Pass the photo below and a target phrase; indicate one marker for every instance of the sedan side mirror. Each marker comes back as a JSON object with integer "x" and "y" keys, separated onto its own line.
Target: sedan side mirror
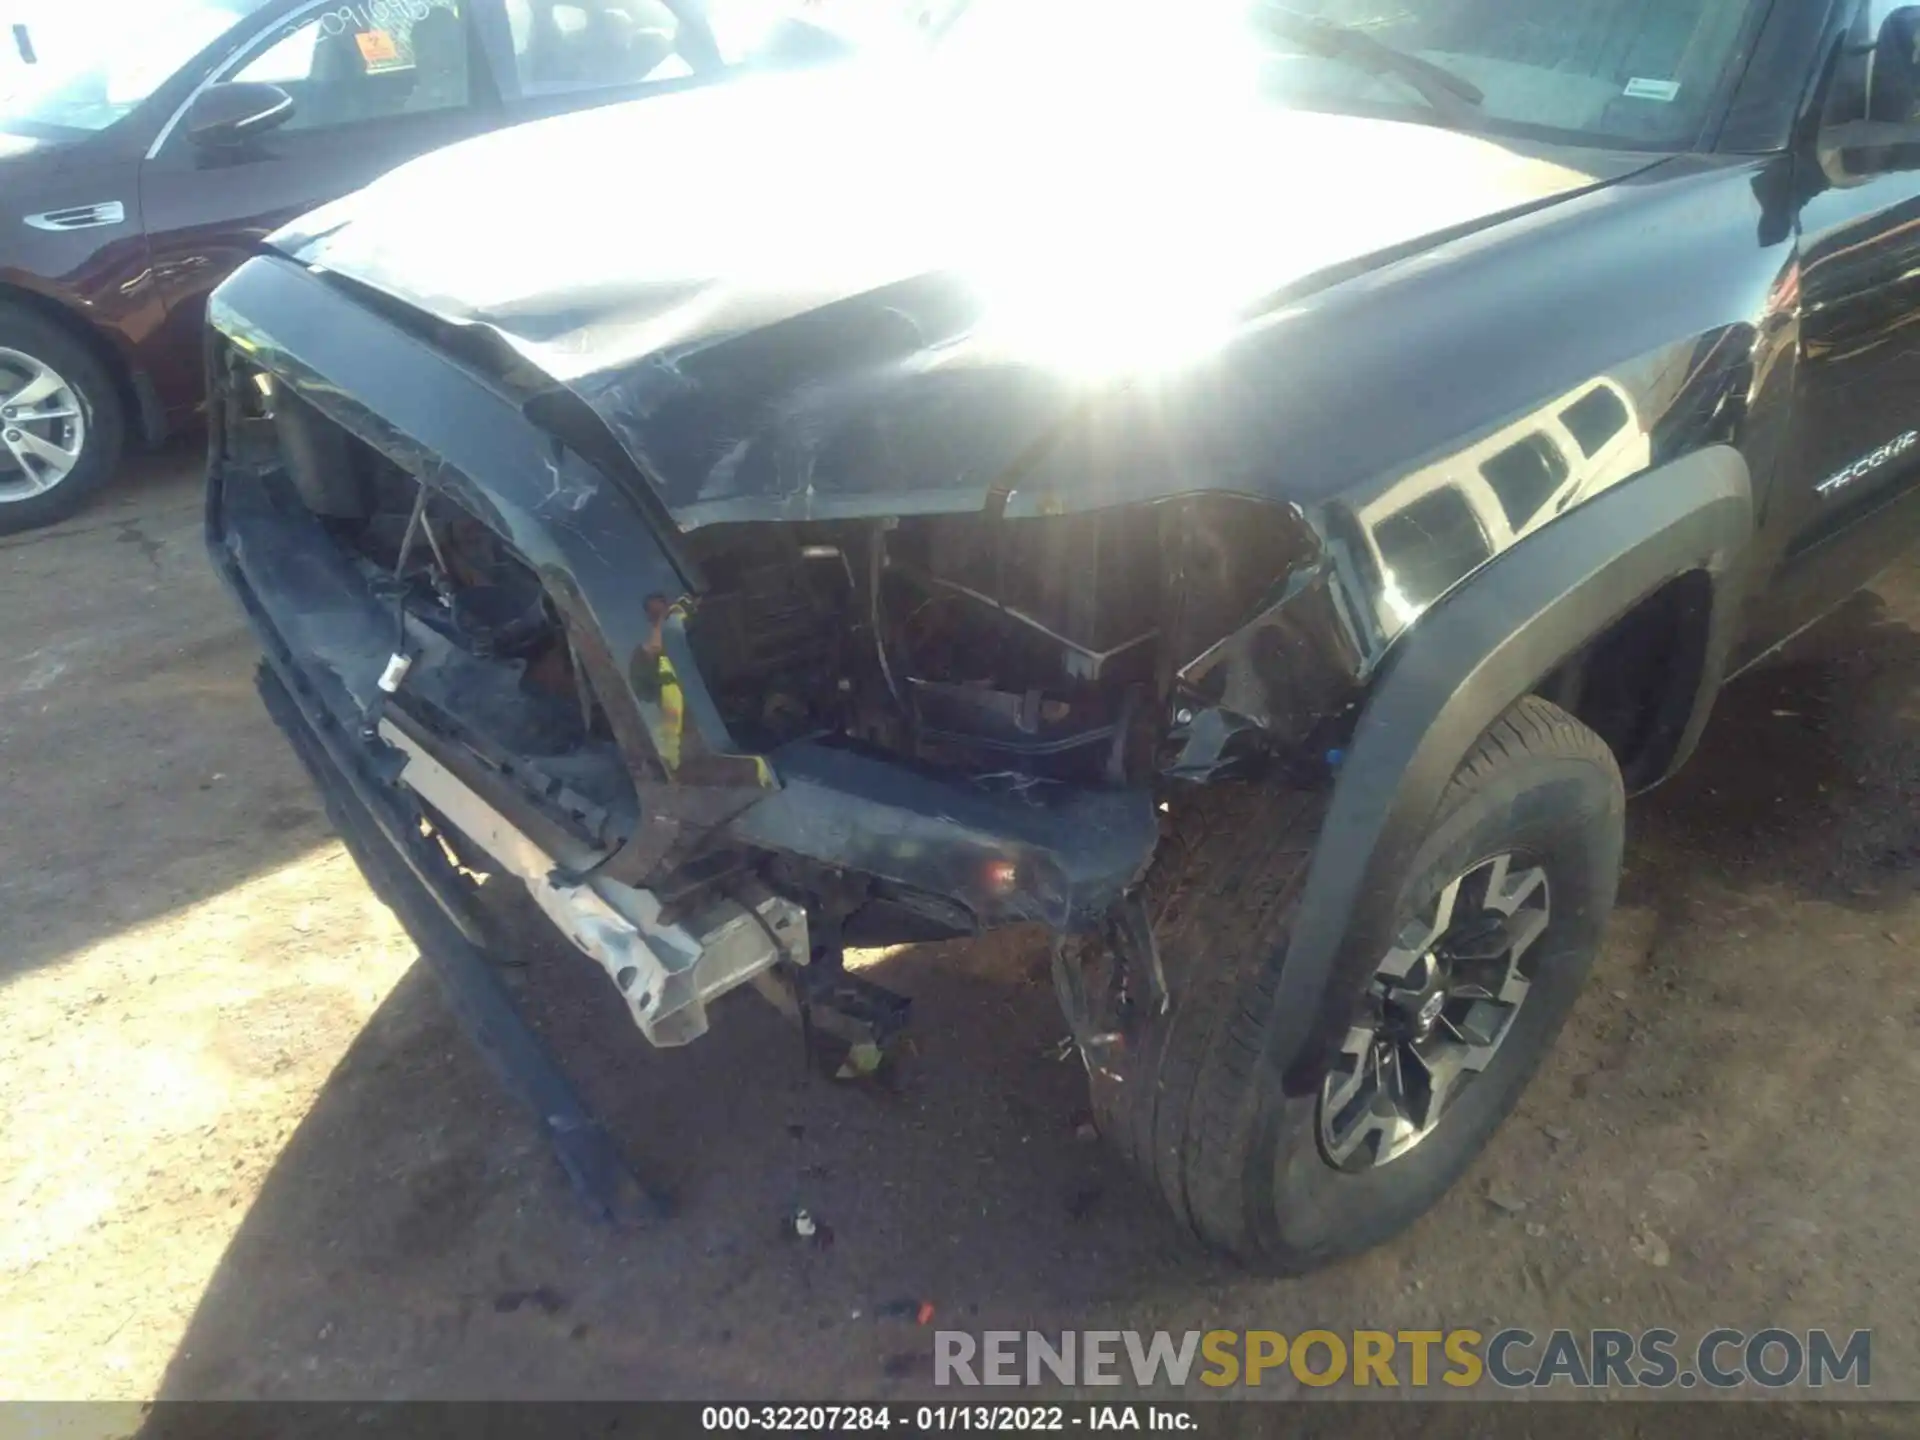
{"x": 237, "y": 110}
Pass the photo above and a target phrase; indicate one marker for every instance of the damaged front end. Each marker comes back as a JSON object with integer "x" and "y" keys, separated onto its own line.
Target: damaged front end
{"x": 722, "y": 756}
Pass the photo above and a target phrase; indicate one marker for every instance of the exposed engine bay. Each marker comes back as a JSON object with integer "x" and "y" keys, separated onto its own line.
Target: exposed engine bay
{"x": 850, "y": 732}
{"x": 457, "y": 587}
{"x": 1088, "y": 650}
{"x": 1058, "y": 650}
{"x": 1006, "y": 651}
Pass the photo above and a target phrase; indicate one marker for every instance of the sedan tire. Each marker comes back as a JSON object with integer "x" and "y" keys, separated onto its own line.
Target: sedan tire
{"x": 62, "y": 423}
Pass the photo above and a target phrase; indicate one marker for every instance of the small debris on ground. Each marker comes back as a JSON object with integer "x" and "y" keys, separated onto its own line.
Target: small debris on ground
{"x": 1651, "y": 1248}
{"x": 1504, "y": 1199}
{"x": 924, "y": 1315}
{"x": 1536, "y": 1229}
{"x": 1673, "y": 1188}
{"x": 862, "y": 1060}
{"x": 1559, "y": 1134}
{"x": 541, "y": 1297}
{"x": 803, "y": 1224}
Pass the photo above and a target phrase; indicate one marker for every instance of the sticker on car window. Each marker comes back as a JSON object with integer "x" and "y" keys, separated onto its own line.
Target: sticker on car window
{"x": 365, "y": 15}
{"x": 377, "y": 47}
{"x": 1642, "y": 89}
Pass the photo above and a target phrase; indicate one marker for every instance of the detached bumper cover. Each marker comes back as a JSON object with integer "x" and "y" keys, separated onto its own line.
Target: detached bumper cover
{"x": 407, "y": 872}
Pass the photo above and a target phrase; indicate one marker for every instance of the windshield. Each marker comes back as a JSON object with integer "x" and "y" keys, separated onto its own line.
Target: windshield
{"x": 1632, "y": 73}
{"x": 96, "y": 60}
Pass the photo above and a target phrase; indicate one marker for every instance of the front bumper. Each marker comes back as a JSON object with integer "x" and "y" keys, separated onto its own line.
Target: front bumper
{"x": 1054, "y": 855}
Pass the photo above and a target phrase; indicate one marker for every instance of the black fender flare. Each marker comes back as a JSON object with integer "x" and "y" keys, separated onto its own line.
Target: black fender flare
{"x": 1477, "y": 651}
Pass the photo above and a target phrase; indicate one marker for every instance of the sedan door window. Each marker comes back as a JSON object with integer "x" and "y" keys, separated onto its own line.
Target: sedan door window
{"x": 566, "y": 45}
{"x": 96, "y": 62}
{"x": 368, "y": 61}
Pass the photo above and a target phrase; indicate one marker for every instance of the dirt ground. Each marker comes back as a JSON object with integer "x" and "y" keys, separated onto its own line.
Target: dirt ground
{"x": 244, "y": 1152}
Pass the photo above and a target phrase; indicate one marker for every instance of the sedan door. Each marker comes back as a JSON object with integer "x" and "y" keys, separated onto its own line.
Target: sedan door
{"x": 374, "y": 83}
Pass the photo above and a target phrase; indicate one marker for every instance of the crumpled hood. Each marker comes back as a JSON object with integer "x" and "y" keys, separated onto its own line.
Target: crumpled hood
{"x": 847, "y": 293}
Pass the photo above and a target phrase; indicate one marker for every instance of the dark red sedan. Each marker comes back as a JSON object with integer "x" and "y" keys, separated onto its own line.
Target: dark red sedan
{"x": 141, "y": 159}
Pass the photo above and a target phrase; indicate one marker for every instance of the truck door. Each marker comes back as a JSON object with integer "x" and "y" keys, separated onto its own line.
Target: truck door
{"x": 1850, "y": 498}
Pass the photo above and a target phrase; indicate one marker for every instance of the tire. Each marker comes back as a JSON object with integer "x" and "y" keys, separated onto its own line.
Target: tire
{"x": 101, "y": 412}
{"x": 1188, "y": 1096}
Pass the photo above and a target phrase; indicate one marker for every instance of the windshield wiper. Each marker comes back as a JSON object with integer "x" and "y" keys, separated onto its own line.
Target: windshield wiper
{"x": 1447, "y": 92}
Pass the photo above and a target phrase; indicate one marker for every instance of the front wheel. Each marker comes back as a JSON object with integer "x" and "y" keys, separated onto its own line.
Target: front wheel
{"x": 62, "y": 426}
{"x": 1499, "y": 917}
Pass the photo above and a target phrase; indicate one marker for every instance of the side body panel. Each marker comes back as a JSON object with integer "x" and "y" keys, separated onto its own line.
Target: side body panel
{"x": 208, "y": 209}
{"x": 102, "y": 276}
{"x": 1426, "y": 419}
{"x": 97, "y": 275}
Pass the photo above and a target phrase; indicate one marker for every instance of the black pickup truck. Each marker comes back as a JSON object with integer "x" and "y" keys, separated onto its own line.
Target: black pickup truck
{"x": 1248, "y": 489}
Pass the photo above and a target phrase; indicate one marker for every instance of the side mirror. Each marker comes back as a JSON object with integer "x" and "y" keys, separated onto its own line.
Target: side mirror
{"x": 237, "y": 110}
{"x": 1883, "y": 133}
{"x": 1893, "y": 72}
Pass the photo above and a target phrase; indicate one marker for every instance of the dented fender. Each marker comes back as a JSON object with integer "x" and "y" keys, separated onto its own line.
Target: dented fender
{"x": 1483, "y": 648}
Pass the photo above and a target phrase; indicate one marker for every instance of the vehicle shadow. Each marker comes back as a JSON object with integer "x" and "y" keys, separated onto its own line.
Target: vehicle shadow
{"x": 140, "y": 773}
{"x": 415, "y": 1240}
{"x": 1808, "y": 778}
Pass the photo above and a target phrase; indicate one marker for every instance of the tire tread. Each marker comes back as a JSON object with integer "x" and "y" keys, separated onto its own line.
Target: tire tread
{"x": 1221, "y": 891}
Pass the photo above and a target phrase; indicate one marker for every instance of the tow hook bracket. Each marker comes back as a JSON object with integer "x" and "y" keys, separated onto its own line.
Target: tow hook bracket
{"x": 823, "y": 996}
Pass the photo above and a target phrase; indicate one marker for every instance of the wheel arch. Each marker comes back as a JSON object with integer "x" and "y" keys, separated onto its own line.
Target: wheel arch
{"x": 1637, "y": 683}
{"x": 1681, "y": 531}
{"x": 142, "y": 408}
